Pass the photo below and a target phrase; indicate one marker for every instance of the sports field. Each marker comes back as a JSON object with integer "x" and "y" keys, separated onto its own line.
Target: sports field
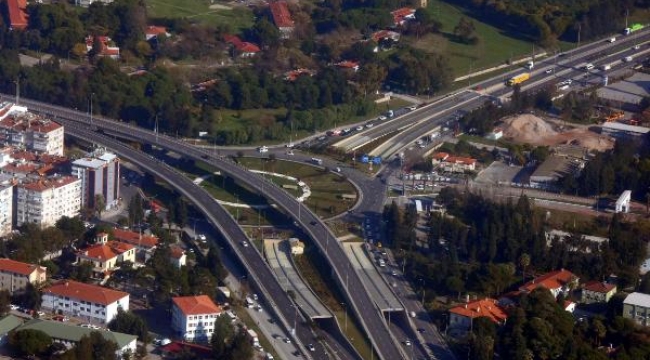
{"x": 205, "y": 11}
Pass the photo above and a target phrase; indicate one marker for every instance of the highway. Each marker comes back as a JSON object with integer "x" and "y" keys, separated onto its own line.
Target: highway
{"x": 350, "y": 283}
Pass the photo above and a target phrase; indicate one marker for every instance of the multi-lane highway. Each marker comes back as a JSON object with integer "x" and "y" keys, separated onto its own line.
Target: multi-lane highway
{"x": 368, "y": 316}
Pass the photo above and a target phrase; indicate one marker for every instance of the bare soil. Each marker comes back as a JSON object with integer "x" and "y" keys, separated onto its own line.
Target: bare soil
{"x": 534, "y": 130}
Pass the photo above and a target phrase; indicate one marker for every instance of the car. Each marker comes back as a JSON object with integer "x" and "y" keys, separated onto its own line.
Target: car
{"x": 407, "y": 342}
{"x": 311, "y": 347}
{"x": 14, "y": 307}
{"x": 636, "y": 47}
{"x": 287, "y": 340}
{"x": 422, "y": 330}
{"x": 60, "y": 318}
{"x": 394, "y": 273}
{"x": 204, "y": 156}
{"x": 296, "y": 353}
{"x": 322, "y": 138}
{"x": 313, "y": 223}
{"x": 201, "y": 237}
{"x": 359, "y": 128}
{"x": 255, "y": 297}
{"x": 244, "y": 243}
{"x": 382, "y": 117}
{"x": 548, "y": 71}
{"x": 412, "y": 107}
{"x": 369, "y": 125}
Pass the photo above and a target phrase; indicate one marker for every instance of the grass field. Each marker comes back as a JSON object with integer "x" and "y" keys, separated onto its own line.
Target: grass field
{"x": 494, "y": 48}
{"x": 203, "y": 11}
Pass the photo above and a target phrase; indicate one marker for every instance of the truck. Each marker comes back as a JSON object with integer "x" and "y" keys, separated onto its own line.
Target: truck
{"x": 317, "y": 161}
{"x": 518, "y": 79}
{"x": 530, "y": 65}
{"x": 632, "y": 28}
{"x": 254, "y": 338}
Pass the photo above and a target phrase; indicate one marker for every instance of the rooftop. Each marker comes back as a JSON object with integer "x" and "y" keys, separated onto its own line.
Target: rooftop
{"x": 552, "y": 280}
{"x": 599, "y": 287}
{"x": 486, "y": 307}
{"x": 106, "y": 251}
{"x": 617, "y": 126}
{"x": 89, "y": 163}
{"x": 29, "y": 122}
{"x": 18, "y": 267}
{"x": 86, "y": 292}
{"x": 135, "y": 238}
{"x": 9, "y": 323}
{"x": 638, "y": 299}
{"x": 51, "y": 183}
{"x": 72, "y": 333}
{"x": 281, "y": 14}
{"x": 555, "y": 167}
{"x": 196, "y": 305}
{"x": 17, "y": 10}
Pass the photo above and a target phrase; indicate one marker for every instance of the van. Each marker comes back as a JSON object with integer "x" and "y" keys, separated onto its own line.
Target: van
{"x": 628, "y": 59}
{"x": 606, "y": 67}
{"x": 412, "y": 314}
{"x": 611, "y": 40}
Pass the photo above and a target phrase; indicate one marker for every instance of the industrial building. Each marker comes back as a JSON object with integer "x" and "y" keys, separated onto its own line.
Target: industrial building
{"x": 554, "y": 168}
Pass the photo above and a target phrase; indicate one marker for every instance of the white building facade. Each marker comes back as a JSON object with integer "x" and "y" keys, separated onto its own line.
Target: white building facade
{"x": 43, "y": 202}
{"x": 97, "y": 304}
{"x": 99, "y": 175}
{"x": 193, "y": 317}
{"x": 20, "y": 128}
{"x": 6, "y": 204}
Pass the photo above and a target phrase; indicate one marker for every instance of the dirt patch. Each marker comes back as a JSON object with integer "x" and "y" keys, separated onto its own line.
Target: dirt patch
{"x": 534, "y": 130}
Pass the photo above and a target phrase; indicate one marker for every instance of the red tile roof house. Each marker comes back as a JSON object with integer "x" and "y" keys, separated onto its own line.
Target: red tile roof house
{"x": 144, "y": 244}
{"x": 241, "y": 48}
{"x": 193, "y": 317}
{"x": 462, "y": 316}
{"x": 557, "y": 282}
{"x": 155, "y": 31}
{"x": 92, "y": 303}
{"x": 597, "y": 292}
{"x": 347, "y": 64}
{"x": 17, "y": 10}
{"x": 402, "y": 15}
{"x": 282, "y": 18}
{"x": 15, "y": 275}
{"x": 106, "y": 47}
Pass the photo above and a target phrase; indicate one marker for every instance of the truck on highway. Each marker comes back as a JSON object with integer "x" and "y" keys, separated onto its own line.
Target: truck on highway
{"x": 253, "y": 335}
{"x": 530, "y": 65}
{"x": 632, "y": 28}
{"x": 518, "y": 79}
{"x": 317, "y": 161}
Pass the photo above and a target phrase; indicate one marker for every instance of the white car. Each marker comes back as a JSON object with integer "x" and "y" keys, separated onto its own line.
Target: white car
{"x": 636, "y": 47}
{"x": 369, "y": 125}
{"x": 407, "y": 342}
{"x": 382, "y": 118}
{"x": 359, "y": 128}
{"x": 311, "y": 347}
{"x": 548, "y": 71}
{"x": 244, "y": 244}
{"x": 201, "y": 237}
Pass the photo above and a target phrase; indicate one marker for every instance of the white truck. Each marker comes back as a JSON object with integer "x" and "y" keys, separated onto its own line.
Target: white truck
{"x": 249, "y": 302}
{"x": 530, "y": 65}
{"x": 317, "y": 161}
{"x": 254, "y": 338}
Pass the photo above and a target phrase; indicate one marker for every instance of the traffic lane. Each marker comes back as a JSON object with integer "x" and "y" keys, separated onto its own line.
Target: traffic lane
{"x": 303, "y": 331}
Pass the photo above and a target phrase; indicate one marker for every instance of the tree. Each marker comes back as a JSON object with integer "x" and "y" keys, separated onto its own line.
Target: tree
{"x": 465, "y": 31}
{"x": 72, "y": 227}
{"x": 30, "y": 342}
{"x": 30, "y": 298}
{"x": 241, "y": 348}
{"x": 524, "y": 262}
{"x": 222, "y": 336}
{"x": 99, "y": 204}
{"x": 95, "y": 347}
{"x": 5, "y": 302}
{"x": 130, "y": 323}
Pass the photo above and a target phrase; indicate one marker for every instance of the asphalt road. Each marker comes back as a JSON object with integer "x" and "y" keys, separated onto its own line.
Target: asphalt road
{"x": 369, "y": 317}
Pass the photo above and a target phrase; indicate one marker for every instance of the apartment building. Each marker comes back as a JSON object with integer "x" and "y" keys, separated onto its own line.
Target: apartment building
{"x": 193, "y": 317}
{"x": 100, "y": 175}
{"x": 44, "y": 201}
{"x": 15, "y": 275}
{"x": 636, "y": 306}
{"x": 20, "y": 128}
{"x": 97, "y": 304}
{"x": 6, "y": 204}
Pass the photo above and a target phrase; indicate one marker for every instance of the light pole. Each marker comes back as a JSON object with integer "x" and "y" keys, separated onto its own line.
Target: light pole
{"x": 345, "y": 310}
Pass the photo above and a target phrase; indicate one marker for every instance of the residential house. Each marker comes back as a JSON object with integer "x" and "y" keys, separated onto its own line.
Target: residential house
{"x": 70, "y": 335}
{"x": 15, "y": 275}
{"x": 144, "y": 244}
{"x": 106, "y": 256}
{"x": 241, "y": 48}
{"x": 21, "y": 129}
{"x": 597, "y": 292}
{"x": 557, "y": 282}
{"x": 155, "y": 31}
{"x": 402, "y": 16}
{"x": 104, "y": 46}
{"x": 348, "y": 64}
{"x": 100, "y": 175}
{"x": 293, "y": 75}
{"x": 636, "y": 306}
{"x": 282, "y": 18}
{"x": 44, "y": 201}
{"x": 177, "y": 257}
{"x": 93, "y": 303}
{"x": 454, "y": 164}
{"x": 193, "y": 317}
{"x": 461, "y": 317}
{"x": 17, "y": 11}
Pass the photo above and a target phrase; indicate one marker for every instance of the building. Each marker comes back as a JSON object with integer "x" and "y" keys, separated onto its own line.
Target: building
{"x": 17, "y": 11}
{"x": 569, "y": 306}
{"x": 177, "y": 257}
{"x": 557, "y": 282}
{"x": 22, "y": 129}
{"x": 241, "y": 48}
{"x": 152, "y": 32}
{"x": 176, "y": 349}
{"x": 576, "y": 242}
{"x": 349, "y": 65}
{"x": 144, "y": 244}
{"x": 6, "y": 204}
{"x": 623, "y": 202}
{"x": 99, "y": 175}
{"x": 103, "y": 45}
{"x": 297, "y": 246}
{"x": 617, "y": 129}
{"x": 636, "y": 306}
{"x": 93, "y": 303}
{"x": 15, "y": 275}
{"x": 282, "y": 18}
{"x": 193, "y": 317}
{"x": 402, "y": 16}
{"x": 44, "y": 201}
{"x": 553, "y": 169}
{"x": 87, "y": 3}
{"x": 462, "y": 316}
{"x": 106, "y": 256}
{"x": 454, "y": 164}
{"x": 597, "y": 292}
{"x": 70, "y": 335}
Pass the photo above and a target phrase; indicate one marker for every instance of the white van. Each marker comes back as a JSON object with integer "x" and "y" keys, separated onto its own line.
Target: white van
{"x": 628, "y": 58}
{"x": 262, "y": 149}
{"x": 606, "y": 67}
{"x": 611, "y": 40}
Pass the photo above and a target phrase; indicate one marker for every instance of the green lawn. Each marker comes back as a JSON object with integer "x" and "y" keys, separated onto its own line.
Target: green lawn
{"x": 238, "y": 17}
{"x": 494, "y": 48}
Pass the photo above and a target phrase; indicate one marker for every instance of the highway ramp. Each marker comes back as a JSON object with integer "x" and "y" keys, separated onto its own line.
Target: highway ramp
{"x": 278, "y": 255}
{"x": 374, "y": 283}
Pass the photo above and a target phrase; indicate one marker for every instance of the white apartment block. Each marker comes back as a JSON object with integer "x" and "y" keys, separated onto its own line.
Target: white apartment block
{"x": 15, "y": 275}
{"x": 45, "y": 201}
{"x": 96, "y": 304}
{"x": 22, "y": 129}
{"x": 6, "y": 204}
{"x": 193, "y": 317}
{"x": 100, "y": 175}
